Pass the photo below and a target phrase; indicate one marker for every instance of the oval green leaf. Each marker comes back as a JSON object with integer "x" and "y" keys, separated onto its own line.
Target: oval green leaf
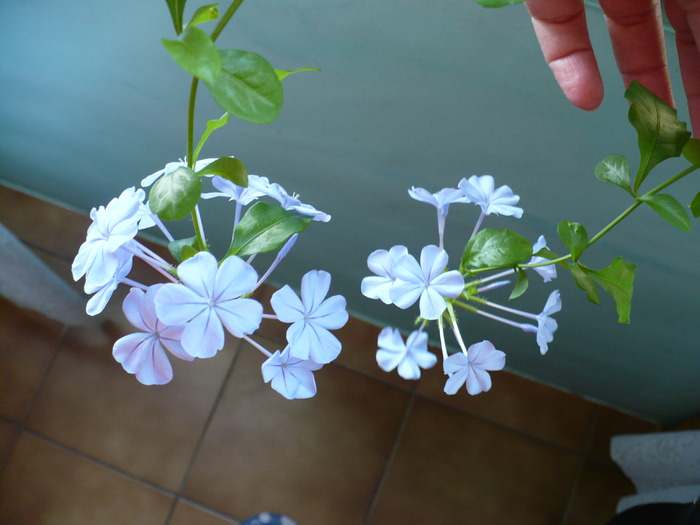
{"x": 204, "y": 14}
{"x": 617, "y": 279}
{"x": 574, "y": 237}
{"x": 247, "y": 87}
{"x": 228, "y": 168}
{"x": 695, "y": 206}
{"x": 668, "y": 208}
{"x": 195, "y": 53}
{"x": 265, "y": 228}
{"x": 520, "y": 285}
{"x": 212, "y": 126}
{"x": 496, "y": 248}
{"x": 174, "y": 196}
{"x": 615, "y": 169}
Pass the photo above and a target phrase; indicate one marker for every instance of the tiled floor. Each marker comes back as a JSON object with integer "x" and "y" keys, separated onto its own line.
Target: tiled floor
{"x": 83, "y": 443}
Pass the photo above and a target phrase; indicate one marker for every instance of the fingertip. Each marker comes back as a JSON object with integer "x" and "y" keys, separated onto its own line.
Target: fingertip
{"x": 579, "y": 79}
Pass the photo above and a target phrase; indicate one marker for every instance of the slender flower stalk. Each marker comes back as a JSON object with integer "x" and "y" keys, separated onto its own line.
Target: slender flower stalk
{"x": 257, "y": 345}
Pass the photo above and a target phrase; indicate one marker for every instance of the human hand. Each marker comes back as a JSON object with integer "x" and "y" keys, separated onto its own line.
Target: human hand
{"x": 637, "y": 37}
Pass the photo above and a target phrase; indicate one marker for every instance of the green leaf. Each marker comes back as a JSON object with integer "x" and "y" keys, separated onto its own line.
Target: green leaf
{"x": 284, "y": 73}
{"x": 195, "y": 53}
{"x": 183, "y": 249}
{"x": 498, "y": 3}
{"x": 204, "y": 14}
{"x": 212, "y": 125}
{"x": 177, "y": 8}
{"x": 584, "y": 282}
{"x": 617, "y": 279}
{"x": 495, "y": 248}
{"x": 660, "y": 135}
{"x": 574, "y": 237}
{"x": 247, "y": 87}
{"x": 615, "y": 169}
{"x": 691, "y": 151}
{"x": 669, "y": 209}
{"x": 695, "y": 206}
{"x": 228, "y": 168}
{"x": 264, "y": 228}
{"x": 520, "y": 285}
{"x": 174, "y": 196}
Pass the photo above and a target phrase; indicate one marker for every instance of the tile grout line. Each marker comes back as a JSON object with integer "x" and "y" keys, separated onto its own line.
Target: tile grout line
{"x": 582, "y": 463}
{"x": 392, "y": 454}
{"x": 205, "y": 429}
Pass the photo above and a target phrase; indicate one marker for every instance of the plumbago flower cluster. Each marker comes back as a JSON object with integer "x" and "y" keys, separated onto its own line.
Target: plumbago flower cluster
{"x": 491, "y": 255}
{"x": 400, "y": 279}
{"x": 202, "y": 297}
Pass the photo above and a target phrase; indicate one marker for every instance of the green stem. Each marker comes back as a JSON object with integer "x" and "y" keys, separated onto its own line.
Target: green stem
{"x": 224, "y": 19}
{"x": 201, "y": 241}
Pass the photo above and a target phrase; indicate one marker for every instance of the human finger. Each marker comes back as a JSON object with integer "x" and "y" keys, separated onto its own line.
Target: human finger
{"x": 636, "y": 33}
{"x": 685, "y": 19}
{"x": 560, "y": 27}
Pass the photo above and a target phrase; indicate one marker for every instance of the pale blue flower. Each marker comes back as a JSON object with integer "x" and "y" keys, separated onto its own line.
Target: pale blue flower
{"x": 408, "y": 358}
{"x": 144, "y": 353}
{"x": 292, "y": 377}
{"x": 441, "y": 200}
{"x": 291, "y": 202}
{"x": 472, "y": 368}
{"x": 103, "y": 292}
{"x": 482, "y": 192}
{"x": 426, "y": 281}
{"x": 548, "y": 272}
{"x": 113, "y": 226}
{"x": 208, "y": 300}
{"x": 546, "y": 326}
{"x": 170, "y": 167}
{"x": 239, "y": 194}
{"x": 381, "y": 262}
{"x": 312, "y": 317}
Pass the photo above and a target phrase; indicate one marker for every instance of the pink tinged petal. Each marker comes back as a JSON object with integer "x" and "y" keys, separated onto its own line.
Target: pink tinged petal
{"x": 314, "y": 287}
{"x": 240, "y": 316}
{"x": 176, "y": 304}
{"x": 157, "y": 370}
{"x": 432, "y": 304}
{"x": 203, "y": 336}
{"x": 234, "y": 278}
{"x": 331, "y": 313}
{"x": 135, "y": 311}
{"x": 432, "y": 261}
{"x": 170, "y": 339}
{"x": 287, "y": 305}
{"x": 199, "y": 274}
{"x": 132, "y": 351}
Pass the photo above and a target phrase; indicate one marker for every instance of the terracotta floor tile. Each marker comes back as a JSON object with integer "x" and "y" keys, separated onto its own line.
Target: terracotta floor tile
{"x": 8, "y": 436}
{"x": 91, "y": 404}
{"x": 359, "y": 340}
{"x": 317, "y": 460}
{"x": 42, "y": 223}
{"x": 43, "y": 484}
{"x": 600, "y": 488}
{"x": 27, "y": 343}
{"x": 453, "y": 468}
{"x": 187, "y": 513}
{"x": 611, "y": 422}
{"x": 521, "y": 404}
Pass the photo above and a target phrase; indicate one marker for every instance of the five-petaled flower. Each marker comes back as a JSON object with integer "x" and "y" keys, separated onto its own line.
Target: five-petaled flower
{"x": 481, "y": 191}
{"x": 144, "y": 353}
{"x": 291, "y": 376}
{"x": 425, "y": 281}
{"x": 409, "y": 357}
{"x": 381, "y": 262}
{"x": 209, "y": 299}
{"x": 472, "y": 368}
{"x": 441, "y": 200}
{"x": 312, "y": 317}
{"x": 546, "y": 326}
